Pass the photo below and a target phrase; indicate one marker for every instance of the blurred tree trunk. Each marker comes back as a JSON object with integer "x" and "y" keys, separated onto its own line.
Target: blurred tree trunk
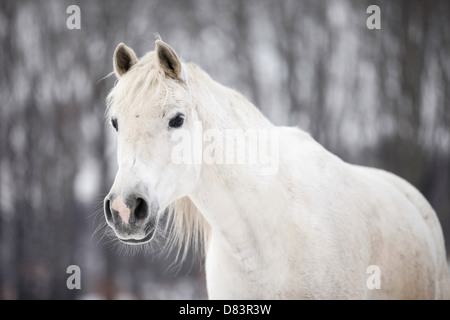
{"x": 243, "y": 47}
{"x": 285, "y": 22}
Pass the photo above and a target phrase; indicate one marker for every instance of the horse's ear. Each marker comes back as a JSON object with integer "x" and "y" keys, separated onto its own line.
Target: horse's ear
{"x": 169, "y": 60}
{"x": 124, "y": 59}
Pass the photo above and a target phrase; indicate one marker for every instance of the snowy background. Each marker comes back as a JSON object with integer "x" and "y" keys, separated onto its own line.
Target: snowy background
{"x": 373, "y": 97}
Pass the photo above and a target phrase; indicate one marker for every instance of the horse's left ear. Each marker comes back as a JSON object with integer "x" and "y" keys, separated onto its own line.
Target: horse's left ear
{"x": 169, "y": 61}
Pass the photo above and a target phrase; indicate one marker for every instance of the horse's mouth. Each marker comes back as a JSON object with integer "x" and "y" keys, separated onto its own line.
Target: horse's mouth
{"x": 149, "y": 233}
{"x": 143, "y": 240}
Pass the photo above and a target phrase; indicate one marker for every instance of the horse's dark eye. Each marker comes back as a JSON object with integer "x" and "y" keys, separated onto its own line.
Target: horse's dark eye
{"x": 115, "y": 124}
{"x": 177, "y": 121}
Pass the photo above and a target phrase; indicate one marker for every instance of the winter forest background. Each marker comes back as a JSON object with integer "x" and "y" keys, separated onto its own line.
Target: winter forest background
{"x": 373, "y": 97}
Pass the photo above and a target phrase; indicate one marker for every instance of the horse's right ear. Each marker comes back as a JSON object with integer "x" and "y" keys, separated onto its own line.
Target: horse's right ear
{"x": 124, "y": 59}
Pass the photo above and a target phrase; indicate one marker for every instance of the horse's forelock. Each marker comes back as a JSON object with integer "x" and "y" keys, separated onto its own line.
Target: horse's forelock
{"x": 134, "y": 87}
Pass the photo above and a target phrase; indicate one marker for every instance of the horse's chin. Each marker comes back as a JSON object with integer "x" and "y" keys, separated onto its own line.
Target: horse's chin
{"x": 132, "y": 241}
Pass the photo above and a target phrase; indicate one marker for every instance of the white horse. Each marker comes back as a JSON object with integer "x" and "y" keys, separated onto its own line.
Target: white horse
{"x": 316, "y": 228}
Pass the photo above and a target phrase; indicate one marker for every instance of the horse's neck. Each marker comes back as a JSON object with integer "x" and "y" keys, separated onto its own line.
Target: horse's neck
{"x": 220, "y": 107}
{"x": 231, "y": 198}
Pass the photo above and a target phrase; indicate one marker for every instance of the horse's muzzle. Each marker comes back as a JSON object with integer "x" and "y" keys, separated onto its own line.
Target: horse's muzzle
{"x": 133, "y": 220}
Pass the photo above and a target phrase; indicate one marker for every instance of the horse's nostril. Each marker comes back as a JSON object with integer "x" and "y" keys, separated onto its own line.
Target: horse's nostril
{"x": 141, "y": 210}
{"x": 107, "y": 209}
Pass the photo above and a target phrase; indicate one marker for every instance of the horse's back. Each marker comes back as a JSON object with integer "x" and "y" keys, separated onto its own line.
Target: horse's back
{"x": 431, "y": 227}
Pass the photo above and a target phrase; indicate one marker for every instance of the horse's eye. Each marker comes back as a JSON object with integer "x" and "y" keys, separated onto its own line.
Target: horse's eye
{"x": 177, "y": 121}
{"x": 115, "y": 124}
